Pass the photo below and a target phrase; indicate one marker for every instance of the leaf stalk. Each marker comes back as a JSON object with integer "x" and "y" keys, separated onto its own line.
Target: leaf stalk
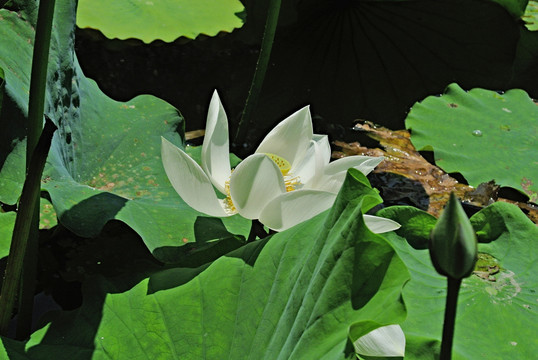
{"x": 453, "y": 288}
{"x": 259, "y": 73}
{"x": 24, "y": 239}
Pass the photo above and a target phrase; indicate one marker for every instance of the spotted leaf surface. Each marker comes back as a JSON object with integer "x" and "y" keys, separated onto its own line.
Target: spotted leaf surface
{"x": 497, "y": 311}
{"x": 104, "y": 163}
{"x": 482, "y": 134}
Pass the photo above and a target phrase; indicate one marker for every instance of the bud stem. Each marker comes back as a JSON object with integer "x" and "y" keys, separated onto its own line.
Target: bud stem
{"x": 453, "y": 286}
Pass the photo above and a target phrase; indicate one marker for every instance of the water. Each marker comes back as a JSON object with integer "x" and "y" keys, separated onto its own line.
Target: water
{"x": 477, "y": 133}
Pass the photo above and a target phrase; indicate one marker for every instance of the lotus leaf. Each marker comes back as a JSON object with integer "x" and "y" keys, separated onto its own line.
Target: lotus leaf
{"x": 482, "y": 134}
{"x": 496, "y": 313}
{"x": 165, "y": 20}
{"x": 290, "y": 296}
{"x": 105, "y": 160}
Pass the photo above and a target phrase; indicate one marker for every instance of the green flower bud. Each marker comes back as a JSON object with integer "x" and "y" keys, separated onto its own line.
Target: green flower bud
{"x": 453, "y": 248}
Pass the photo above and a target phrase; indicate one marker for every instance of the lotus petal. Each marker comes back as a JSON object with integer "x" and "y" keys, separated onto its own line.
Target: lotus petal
{"x": 215, "y": 148}
{"x": 290, "y": 138}
{"x": 380, "y": 225}
{"x": 386, "y": 341}
{"x": 255, "y": 182}
{"x": 294, "y": 207}
{"x": 190, "y": 181}
{"x": 335, "y": 172}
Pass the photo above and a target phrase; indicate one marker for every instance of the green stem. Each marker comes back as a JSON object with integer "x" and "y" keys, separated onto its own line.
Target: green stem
{"x": 259, "y": 73}
{"x": 21, "y": 231}
{"x": 38, "y": 82}
{"x": 37, "y": 147}
{"x": 450, "y": 317}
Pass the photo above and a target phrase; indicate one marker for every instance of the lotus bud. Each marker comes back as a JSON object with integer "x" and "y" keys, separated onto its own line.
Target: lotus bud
{"x": 453, "y": 246}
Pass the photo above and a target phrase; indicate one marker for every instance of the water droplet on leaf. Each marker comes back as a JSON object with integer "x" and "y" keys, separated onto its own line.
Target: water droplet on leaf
{"x": 477, "y": 133}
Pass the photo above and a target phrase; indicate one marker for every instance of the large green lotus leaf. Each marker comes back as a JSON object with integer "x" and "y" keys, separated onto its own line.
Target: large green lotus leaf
{"x": 531, "y": 15}
{"x": 290, "y": 296}
{"x": 47, "y": 215}
{"x": 374, "y": 59}
{"x": 165, "y": 20}
{"x": 104, "y": 161}
{"x": 497, "y": 313}
{"x": 482, "y": 134}
{"x": 2, "y": 84}
{"x": 7, "y": 222}
{"x": 116, "y": 173}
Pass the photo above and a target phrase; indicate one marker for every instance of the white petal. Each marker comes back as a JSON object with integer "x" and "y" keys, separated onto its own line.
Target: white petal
{"x": 324, "y": 147}
{"x": 312, "y": 166}
{"x": 308, "y": 167}
{"x": 386, "y": 341}
{"x": 290, "y": 138}
{"x": 216, "y": 148}
{"x": 335, "y": 172}
{"x": 331, "y": 183}
{"x": 254, "y": 182}
{"x": 364, "y": 164}
{"x": 294, "y": 207}
{"x": 380, "y": 225}
{"x": 189, "y": 180}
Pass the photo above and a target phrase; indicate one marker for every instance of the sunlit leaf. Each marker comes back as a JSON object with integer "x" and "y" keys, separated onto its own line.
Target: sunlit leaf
{"x": 47, "y": 215}
{"x": 165, "y": 20}
{"x": 7, "y": 222}
{"x": 291, "y": 296}
{"x": 497, "y": 311}
{"x": 105, "y": 160}
{"x": 531, "y": 15}
{"x": 482, "y": 134}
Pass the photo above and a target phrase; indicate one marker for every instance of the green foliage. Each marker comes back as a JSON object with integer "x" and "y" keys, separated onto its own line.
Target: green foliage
{"x": 497, "y": 305}
{"x": 374, "y": 59}
{"x": 105, "y": 162}
{"x": 453, "y": 242}
{"x": 7, "y": 221}
{"x": 305, "y": 292}
{"x": 482, "y": 134}
{"x": 531, "y": 15}
{"x": 416, "y": 224}
{"x": 164, "y": 20}
{"x": 2, "y": 83}
{"x": 290, "y": 296}
{"x": 47, "y": 215}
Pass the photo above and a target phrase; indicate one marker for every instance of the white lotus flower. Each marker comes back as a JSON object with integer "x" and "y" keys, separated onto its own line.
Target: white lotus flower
{"x": 386, "y": 341}
{"x": 286, "y": 181}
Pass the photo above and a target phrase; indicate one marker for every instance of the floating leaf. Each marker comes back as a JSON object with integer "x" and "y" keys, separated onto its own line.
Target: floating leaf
{"x": 402, "y": 158}
{"x": 496, "y": 314}
{"x": 47, "y": 215}
{"x": 105, "y": 160}
{"x": 416, "y": 224}
{"x": 374, "y": 59}
{"x": 165, "y": 20}
{"x": 291, "y": 296}
{"x": 7, "y": 222}
{"x": 531, "y": 15}
{"x": 482, "y": 134}
{"x": 2, "y": 83}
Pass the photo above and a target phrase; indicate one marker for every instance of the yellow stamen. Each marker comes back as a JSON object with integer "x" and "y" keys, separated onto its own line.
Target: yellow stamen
{"x": 283, "y": 164}
{"x": 292, "y": 183}
{"x": 228, "y": 200}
